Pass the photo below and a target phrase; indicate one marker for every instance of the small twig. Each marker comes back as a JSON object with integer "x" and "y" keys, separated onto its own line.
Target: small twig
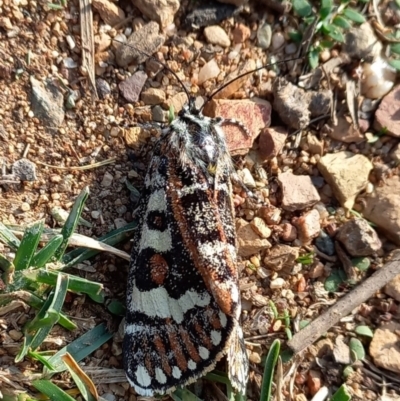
{"x": 88, "y": 167}
{"x": 261, "y": 336}
{"x": 373, "y": 368}
{"x": 345, "y": 305}
{"x": 322, "y": 255}
{"x": 26, "y": 150}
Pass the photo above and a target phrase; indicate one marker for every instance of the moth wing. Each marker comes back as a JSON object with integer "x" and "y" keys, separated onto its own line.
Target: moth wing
{"x": 175, "y": 330}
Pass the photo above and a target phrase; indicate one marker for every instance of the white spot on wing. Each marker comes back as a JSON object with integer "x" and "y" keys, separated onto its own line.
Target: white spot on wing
{"x": 160, "y": 376}
{"x": 142, "y": 376}
{"x": 176, "y": 372}
{"x": 215, "y": 337}
{"x": 160, "y": 241}
{"x": 222, "y": 318}
{"x": 192, "y": 365}
{"x": 157, "y": 201}
{"x": 158, "y": 303}
{"x": 204, "y": 353}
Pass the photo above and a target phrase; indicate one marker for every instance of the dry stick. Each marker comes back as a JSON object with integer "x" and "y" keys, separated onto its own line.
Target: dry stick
{"x": 86, "y": 18}
{"x": 345, "y": 305}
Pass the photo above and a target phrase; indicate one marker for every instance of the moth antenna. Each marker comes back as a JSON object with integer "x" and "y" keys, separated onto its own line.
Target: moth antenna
{"x": 161, "y": 63}
{"x": 247, "y": 73}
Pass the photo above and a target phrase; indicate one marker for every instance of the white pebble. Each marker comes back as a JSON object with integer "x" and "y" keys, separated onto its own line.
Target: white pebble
{"x": 70, "y": 63}
{"x": 278, "y": 40}
{"x": 264, "y": 34}
{"x": 277, "y": 283}
{"x": 208, "y": 71}
{"x": 70, "y": 41}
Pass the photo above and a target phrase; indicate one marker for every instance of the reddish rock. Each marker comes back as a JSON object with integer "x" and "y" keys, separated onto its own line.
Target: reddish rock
{"x": 271, "y": 141}
{"x": 254, "y": 115}
{"x": 298, "y": 192}
{"x": 289, "y": 232}
{"x": 314, "y": 381}
{"x": 271, "y": 214}
{"x": 132, "y": 86}
{"x": 345, "y": 131}
{"x": 387, "y": 116}
{"x": 241, "y": 33}
{"x": 308, "y": 226}
{"x": 109, "y": 12}
{"x": 316, "y": 271}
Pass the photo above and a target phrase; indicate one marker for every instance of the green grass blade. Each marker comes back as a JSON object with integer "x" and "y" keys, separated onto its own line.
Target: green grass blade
{"x": 28, "y": 245}
{"x": 46, "y": 253}
{"x": 41, "y": 325}
{"x": 35, "y": 302}
{"x": 8, "y": 269}
{"x": 79, "y": 255}
{"x": 37, "y": 356}
{"x": 8, "y": 238}
{"x": 342, "y": 394}
{"x": 269, "y": 368}
{"x": 81, "y": 347}
{"x": 72, "y": 222}
{"x": 52, "y": 391}
{"x": 81, "y": 379}
{"x": 76, "y": 284}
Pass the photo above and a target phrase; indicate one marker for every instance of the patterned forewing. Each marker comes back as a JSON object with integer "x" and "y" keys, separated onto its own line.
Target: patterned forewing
{"x": 175, "y": 330}
{"x": 202, "y": 206}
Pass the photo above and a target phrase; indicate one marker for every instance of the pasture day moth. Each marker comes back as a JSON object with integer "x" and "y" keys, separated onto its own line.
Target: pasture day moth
{"x": 183, "y": 300}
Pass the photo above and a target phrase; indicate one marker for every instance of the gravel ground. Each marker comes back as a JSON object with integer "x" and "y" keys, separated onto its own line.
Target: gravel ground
{"x": 312, "y": 166}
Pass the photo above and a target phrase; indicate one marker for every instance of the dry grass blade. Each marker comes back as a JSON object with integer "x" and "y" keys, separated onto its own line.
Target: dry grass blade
{"x": 87, "y": 167}
{"x": 88, "y": 62}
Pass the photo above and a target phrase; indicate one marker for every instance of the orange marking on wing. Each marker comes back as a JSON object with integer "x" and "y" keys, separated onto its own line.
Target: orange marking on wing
{"x": 213, "y": 318}
{"x": 159, "y": 269}
{"x": 204, "y": 338}
{"x": 177, "y": 349}
{"x": 149, "y": 365}
{"x": 191, "y": 349}
{"x": 160, "y": 347}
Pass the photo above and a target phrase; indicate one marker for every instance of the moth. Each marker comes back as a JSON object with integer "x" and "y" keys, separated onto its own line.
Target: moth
{"x": 183, "y": 298}
{"x": 183, "y": 301}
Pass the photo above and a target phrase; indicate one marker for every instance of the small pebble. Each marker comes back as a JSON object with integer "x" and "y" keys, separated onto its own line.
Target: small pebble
{"x": 15, "y": 335}
{"x": 255, "y": 357}
{"x": 25, "y": 206}
{"x": 119, "y": 223}
{"x": 217, "y": 36}
{"x": 208, "y": 71}
{"x": 247, "y": 178}
{"x": 107, "y": 180}
{"x": 277, "y": 283}
{"x": 291, "y": 48}
{"x": 325, "y": 55}
{"x": 278, "y": 40}
{"x": 95, "y": 214}
{"x": 158, "y": 114}
{"x": 264, "y": 34}
{"x": 70, "y": 63}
